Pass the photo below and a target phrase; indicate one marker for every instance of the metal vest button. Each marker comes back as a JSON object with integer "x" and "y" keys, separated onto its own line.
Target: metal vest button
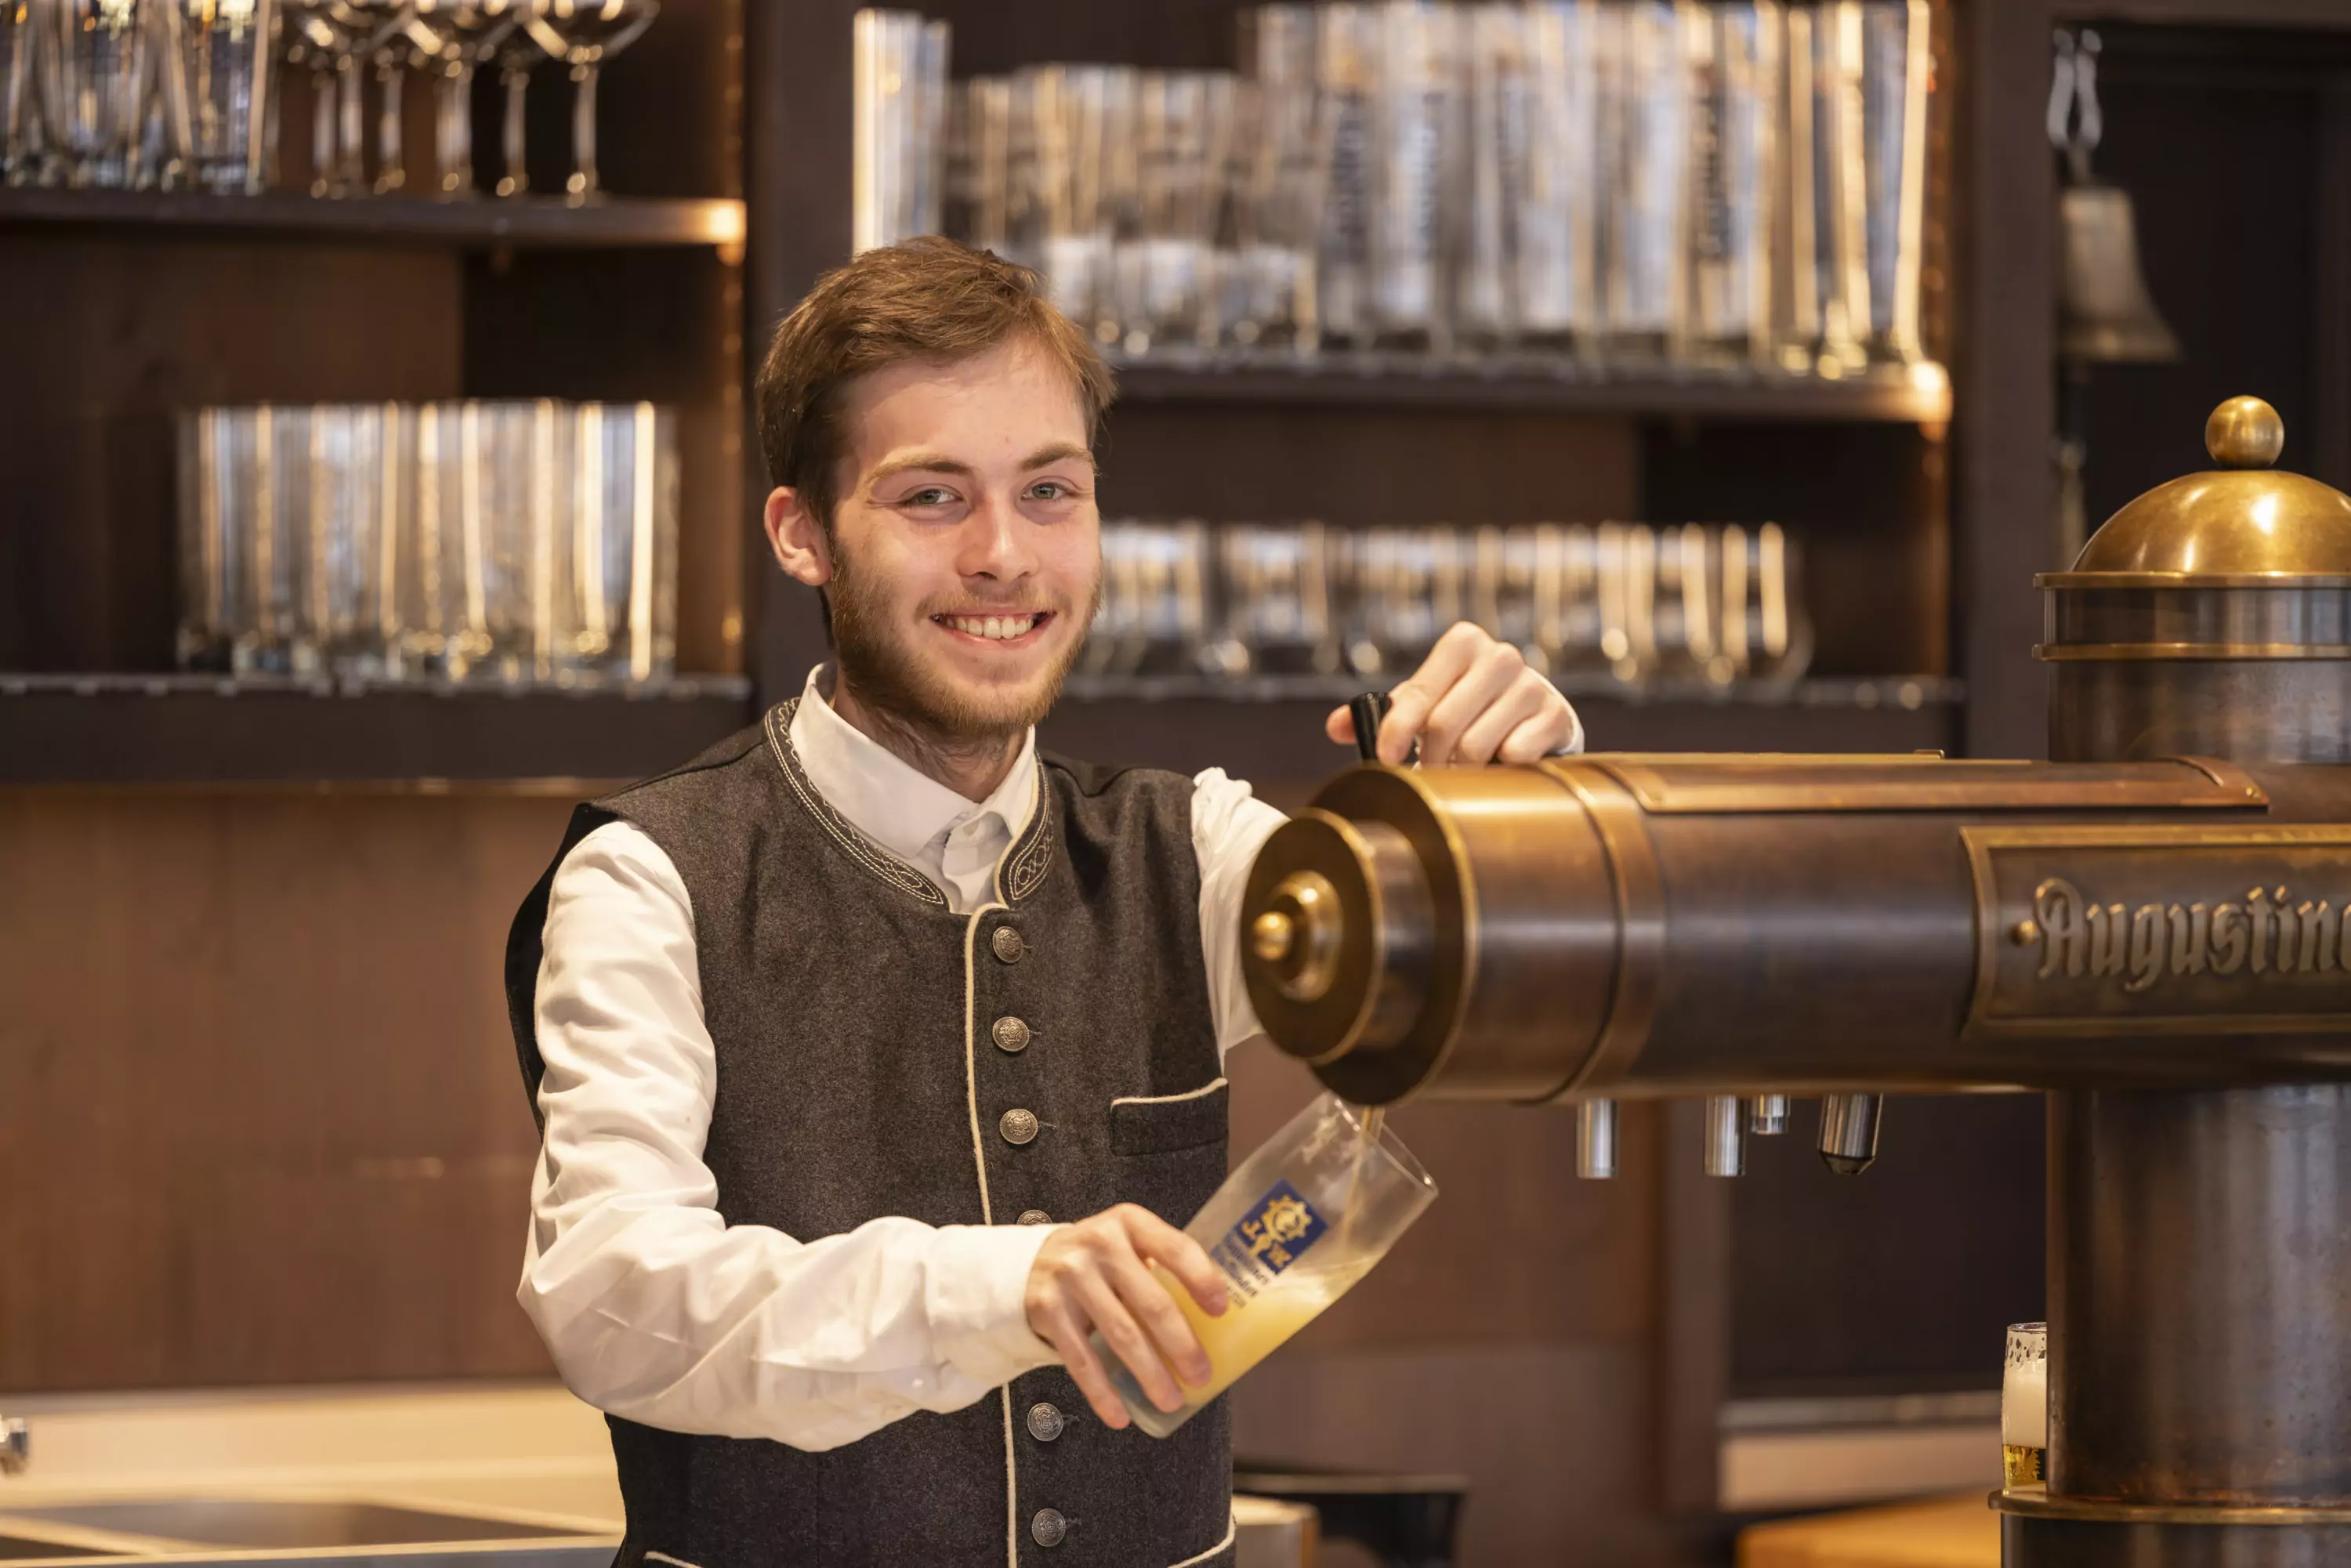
{"x": 1049, "y": 1526}
{"x": 1035, "y": 1216}
{"x": 1010, "y": 1034}
{"x": 1045, "y": 1423}
{"x": 1018, "y": 1126}
{"x": 1007, "y": 945}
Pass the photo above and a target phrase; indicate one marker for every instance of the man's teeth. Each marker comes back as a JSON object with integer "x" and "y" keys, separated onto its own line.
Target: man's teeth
{"x": 1000, "y": 627}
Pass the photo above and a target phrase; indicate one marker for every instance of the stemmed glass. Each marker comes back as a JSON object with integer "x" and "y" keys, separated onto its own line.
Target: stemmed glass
{"x": 331, "y": 37}
{"x": 457, "y": 36}
{"x": 517, "y": 52}
{"x": 583, "y": 34}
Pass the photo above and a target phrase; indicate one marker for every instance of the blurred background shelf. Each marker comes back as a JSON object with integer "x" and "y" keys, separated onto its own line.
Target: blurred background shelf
{"x": 1912, "y": 395}
{"x": 199, "y": 729}
{"x": 541, "y": 223}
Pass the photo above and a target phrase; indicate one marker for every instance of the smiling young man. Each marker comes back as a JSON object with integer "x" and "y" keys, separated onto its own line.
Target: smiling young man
{"x": 878, "y": 1054}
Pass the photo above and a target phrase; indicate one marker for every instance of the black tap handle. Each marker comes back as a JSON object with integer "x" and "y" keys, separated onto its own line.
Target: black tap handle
{"x": 1368, "y": 711}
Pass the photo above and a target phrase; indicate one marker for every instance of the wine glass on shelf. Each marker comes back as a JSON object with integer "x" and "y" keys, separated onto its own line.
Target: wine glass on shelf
{"x": 333, "y": 38}
{"x": 456, "y": 37}
{"x": 518, "y": 53}
{"x": 584, "y": 34}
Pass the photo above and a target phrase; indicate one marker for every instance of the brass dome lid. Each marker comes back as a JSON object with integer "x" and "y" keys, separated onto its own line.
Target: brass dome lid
{"x": 2242, "y": 525}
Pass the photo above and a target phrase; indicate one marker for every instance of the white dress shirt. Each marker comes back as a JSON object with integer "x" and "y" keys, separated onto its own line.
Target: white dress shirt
{"x": 653, "y": 1306}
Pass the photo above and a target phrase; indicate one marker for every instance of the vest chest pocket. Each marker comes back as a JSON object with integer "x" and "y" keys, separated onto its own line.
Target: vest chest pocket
{"x": 1169, "y": 1124}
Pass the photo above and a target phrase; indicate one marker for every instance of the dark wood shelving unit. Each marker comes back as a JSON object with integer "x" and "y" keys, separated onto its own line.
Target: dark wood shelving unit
{"x": 194, "y": 729}
{"x": 1918, "y": 395}
{"x": 486, "y": 223}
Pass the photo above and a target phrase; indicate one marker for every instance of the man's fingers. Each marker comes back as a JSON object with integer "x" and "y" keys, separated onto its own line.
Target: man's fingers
{"x": 1486, "y": 679}
{"x": 1066, "y": 1331}
{"x": 1341, "y": 727}
{"x": 1186, "y": 1259}
{"x": 1128, "y": 1341}
{"x": 1147, "y": 1297}
{"x": 1540, "y": 737}
{"x": 1524, "y": 699}
{"x": 1412, "y": 701}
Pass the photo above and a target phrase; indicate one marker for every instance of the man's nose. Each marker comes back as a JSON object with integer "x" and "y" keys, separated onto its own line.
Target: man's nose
{"x": 995, "y": 541}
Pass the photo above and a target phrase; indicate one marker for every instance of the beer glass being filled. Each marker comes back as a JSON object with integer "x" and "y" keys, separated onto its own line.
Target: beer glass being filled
{"x": 1292, "y": 1229}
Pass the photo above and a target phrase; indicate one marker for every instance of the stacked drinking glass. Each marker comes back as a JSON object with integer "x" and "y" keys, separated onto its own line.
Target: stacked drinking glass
{"x": 511, "y": 541}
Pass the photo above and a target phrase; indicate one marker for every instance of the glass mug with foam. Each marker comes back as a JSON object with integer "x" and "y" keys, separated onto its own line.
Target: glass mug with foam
{"x": 1293, "y": 1228}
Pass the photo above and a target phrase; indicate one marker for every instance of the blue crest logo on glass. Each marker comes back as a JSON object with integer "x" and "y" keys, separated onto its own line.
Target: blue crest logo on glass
{"x": 1274, "y": 1234}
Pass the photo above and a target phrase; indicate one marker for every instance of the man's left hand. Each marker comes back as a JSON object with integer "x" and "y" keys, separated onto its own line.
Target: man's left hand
{"x": 1473, "y": 701}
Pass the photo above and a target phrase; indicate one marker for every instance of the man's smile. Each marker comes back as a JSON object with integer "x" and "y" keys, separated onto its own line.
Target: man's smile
{"x": 1016, "y": 628}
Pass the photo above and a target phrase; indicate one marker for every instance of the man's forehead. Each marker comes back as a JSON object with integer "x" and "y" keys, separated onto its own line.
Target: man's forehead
{"x": 1011, "y": 399}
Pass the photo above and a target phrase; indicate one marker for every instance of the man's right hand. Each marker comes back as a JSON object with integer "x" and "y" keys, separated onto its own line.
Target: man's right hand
{"x": 1093, "y": 1275}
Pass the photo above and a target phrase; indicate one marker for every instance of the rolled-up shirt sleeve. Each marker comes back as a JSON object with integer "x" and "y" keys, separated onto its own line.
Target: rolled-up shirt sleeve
{"x": 653, "y": 1306}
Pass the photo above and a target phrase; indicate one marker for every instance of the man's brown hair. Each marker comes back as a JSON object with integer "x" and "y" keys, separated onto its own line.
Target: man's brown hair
{"x": 928, "y": 298}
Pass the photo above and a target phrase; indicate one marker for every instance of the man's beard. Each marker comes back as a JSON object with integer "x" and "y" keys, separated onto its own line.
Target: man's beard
{"x": 878, "y": 661}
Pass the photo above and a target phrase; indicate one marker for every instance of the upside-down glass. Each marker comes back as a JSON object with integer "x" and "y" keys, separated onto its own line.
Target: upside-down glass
{"x": 245, "y": 477}
{"x": 1487, "y": 308}
{"x": 20, "y": 141}
{"x": 355, "y": 469}
{"x": 1643, "y": 127}
{"x": 1734, "y": 55}
{"x": 1308, "y": 1214}
{"x": 1276, "y": 602}
{"x": 90, "y": 61}
{"x": 1558, "y": 210}
{"x": 1419, "y": 166}
{"x": 515, "y": 564}
{"x": 583, "y": 34}
{"x": 225, "y": 79}
{"x": 624, "y": 491}
{"x": 898, "y": 64}
{"x": 1409, "y": 585}
{"x": 1279, "y": 207}
{"x": 1183, "y": 123}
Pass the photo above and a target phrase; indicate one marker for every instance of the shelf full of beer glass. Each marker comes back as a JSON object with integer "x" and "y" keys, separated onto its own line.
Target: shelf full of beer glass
{"x": 510, "y": 543}
{"x": 1638, "y": 204}
{"x": 1301, "y": 610}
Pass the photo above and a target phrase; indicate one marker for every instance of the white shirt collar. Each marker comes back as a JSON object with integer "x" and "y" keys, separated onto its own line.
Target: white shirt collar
{"x": 885, "y": 798}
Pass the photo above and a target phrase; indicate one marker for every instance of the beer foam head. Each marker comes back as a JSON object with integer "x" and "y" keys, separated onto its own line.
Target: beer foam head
{"x": 2024, "y": 1405}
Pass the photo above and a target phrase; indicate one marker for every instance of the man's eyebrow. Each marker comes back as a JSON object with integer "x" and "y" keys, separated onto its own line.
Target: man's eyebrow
{"x": 929, "y": 462}
{"x": 1057, "y": 451}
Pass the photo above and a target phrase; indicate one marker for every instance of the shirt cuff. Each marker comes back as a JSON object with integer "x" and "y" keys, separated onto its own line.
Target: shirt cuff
{"x": 976, "y": 1294}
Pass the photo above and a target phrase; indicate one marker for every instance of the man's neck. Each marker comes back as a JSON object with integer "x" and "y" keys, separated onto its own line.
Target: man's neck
{"x": 972, "y": 768}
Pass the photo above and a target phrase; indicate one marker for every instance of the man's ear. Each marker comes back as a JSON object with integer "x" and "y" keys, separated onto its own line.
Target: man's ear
{"x": 797, "y": 538}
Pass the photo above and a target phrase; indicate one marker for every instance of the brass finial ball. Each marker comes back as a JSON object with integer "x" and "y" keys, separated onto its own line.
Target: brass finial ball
{"x": 2245, "y": 433}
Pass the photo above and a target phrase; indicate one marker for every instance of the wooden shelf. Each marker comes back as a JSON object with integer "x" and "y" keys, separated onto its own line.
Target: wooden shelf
{"x": 1272, "y": 731}
{"x": 536, "y": 222}
{"x": 1915, "y": 394}
{"x": 140, "y": 729}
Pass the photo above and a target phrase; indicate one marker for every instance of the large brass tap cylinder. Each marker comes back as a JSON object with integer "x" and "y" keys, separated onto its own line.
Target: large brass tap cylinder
{"x": 1629, "y": 925}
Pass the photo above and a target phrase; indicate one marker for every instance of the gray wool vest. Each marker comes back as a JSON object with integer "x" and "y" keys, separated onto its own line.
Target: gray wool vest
{"x": 1045, "y": 1056}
